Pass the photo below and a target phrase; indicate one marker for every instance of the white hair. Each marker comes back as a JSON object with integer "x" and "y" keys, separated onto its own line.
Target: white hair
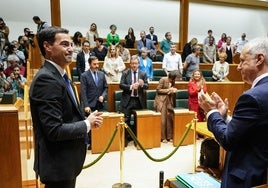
{"x": 13, "y": 57}
{"x": 257, "y": 46}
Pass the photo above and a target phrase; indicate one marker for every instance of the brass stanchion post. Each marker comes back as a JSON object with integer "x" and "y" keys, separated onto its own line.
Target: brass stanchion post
{"x": 194, "y": 145}
{"x": 121, "y": 125}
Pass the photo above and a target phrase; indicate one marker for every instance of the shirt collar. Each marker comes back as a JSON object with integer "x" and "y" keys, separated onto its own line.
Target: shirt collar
{"x": 61, "y": 71}
{"x": 258, "y": 79}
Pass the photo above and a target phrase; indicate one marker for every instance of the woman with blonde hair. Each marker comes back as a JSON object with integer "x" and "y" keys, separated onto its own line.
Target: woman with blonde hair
{"x": 220, "y": 68}
{"x": 196, "y": 84}
{"x": 113, "y": 65}
{"x": 92, "y": 34}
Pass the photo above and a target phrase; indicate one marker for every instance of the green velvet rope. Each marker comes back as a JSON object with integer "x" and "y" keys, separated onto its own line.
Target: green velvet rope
{"x": 105, "y": 150}
{"x": 164, "y": 158}
{"x": 139, "y": 144}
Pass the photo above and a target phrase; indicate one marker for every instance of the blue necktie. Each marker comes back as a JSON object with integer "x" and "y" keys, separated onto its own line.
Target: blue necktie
{"x": 69, "y": 86}
{"x": 96, "y": 78}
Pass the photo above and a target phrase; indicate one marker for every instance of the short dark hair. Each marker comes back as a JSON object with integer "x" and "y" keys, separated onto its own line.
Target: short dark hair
{"x": 48, "y": 34}
{"x": 100, "y": 40}
{"x": 36, "y": 18}
{"x": 91, "y": 58}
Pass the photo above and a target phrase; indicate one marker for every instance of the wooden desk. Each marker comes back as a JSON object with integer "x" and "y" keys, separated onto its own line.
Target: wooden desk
{"x": 10, "y": 158}
{"x": 181, "y": 119}
{"x": 100, "y": 137}
{"x": 230, "y": 90}
{"x": 148, "y": 128}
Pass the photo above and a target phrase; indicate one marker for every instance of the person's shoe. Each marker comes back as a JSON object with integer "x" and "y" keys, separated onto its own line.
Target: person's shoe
{"x": 89, "y": 147}
{"x": 164, "y": 141}
{"x": 170, "y": 140}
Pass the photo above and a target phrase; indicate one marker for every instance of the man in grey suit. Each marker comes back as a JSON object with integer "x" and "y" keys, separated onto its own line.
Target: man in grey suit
{"x": 244, "y": 135}
{"x": 60, "y": 128}
{"x": 133, "y": 83}
{"x": 148, "y": 44}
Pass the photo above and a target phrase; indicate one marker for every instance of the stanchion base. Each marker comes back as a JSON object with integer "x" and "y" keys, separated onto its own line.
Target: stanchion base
{"x": 121, "y": 185}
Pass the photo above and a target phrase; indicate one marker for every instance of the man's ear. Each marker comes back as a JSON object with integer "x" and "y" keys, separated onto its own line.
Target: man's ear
{"x": 47, "y": 46}
{"x": 260, "y": 59}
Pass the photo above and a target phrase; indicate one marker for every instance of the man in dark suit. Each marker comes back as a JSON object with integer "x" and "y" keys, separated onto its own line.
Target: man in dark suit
{"x": 152, "y": 36}
{"x": 244, "y": 135}
{"x": 93, "y": 87}
{"x": 60, "y": 129}
{"x": 82, "y": 58}
{"x": 133, "y": 83}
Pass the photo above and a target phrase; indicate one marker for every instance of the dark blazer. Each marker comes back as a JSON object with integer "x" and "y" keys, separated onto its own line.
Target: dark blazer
{"x": 59, "y": 127}
{"x": 126, "y": 82}
{"x": 245, "y": 138}
{"x": 89, "y": 91}
{"x": 148, "y": 36}
{"x": 80, "y": 62}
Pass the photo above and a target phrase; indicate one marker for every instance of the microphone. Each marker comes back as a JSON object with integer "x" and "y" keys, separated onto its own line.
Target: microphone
{"x": 161, "y": 179}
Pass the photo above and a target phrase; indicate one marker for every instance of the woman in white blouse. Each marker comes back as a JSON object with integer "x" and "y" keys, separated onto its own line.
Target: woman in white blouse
{"x": 220, "y": 68}
{"x": 113, "y": 65}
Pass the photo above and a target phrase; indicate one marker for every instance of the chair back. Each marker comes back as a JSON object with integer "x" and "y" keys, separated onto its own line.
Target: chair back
{"x": 181, "y": 99}
{"x": 158, "y": 74}
{"x": 117, "y": 101}
{"x": 150, "y": 96}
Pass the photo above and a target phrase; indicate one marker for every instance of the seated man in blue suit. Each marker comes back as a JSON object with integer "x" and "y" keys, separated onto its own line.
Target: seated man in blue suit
{"x": 244, "y": 136}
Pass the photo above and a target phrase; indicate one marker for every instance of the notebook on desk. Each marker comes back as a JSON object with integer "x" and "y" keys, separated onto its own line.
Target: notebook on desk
{"x": 197, "y": 180}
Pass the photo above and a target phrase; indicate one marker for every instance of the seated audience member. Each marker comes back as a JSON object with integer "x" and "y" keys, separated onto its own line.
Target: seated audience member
{"x": 206, "y": 40}
{"x": 146, "y": 64}
{"x": 92, "y": 34}
{"x": 100, "y": 50}
{"x": 77, "y": 44}
{"x": 112, "y": 37}
{"x": 16, "y": 81}
{"x": 133, "y": 83}
{"x": 130, "y": 38}
{"x": 220, "y": 68}
{"x": 123, "y": 52}
{"x": 113, "y": 65}
{"x": 148, "y": 44}
{"x": 165, "y": 44}
{"x": 82, "y": 58}
{"x": 172, "y": 61}
{"x": 163, "y": 103}
{"x": 196, "y": 84}
{"x": 210, "y": 51}
{"x": 192, "y": 62}
{"x": 222, "y": 40}
{"x": 12, "y": 61}
{"x": 187, "y": 49}
{"x": 3, "y": 81}
{"x": 240, "y": 43}
{"x": 151, "y": 36}
{"x": 229, "y": 49}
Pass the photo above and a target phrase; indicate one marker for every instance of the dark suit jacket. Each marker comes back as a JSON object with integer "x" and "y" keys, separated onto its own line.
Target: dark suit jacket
{"x": 148, "y": 36}
{"x": 59, "y": 128}
{"x": 89, "y": 91}
{"x": 126, "y": 82}
{"x": 245, "y": 138}
{"x": 80, "y": 62}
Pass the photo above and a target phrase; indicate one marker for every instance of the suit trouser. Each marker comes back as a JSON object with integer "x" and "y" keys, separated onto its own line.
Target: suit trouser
{"x": 134, "y": 103}
{"x": 58, "y": 184}
{"x": 166, "y": 124}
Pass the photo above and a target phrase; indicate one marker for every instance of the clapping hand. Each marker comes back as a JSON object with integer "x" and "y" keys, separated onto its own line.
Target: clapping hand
{"x": 95, "y": 119}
